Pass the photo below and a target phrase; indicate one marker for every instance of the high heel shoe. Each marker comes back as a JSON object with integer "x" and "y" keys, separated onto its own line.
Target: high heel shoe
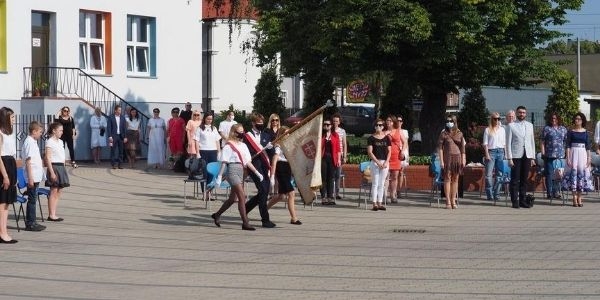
{"x": 297, "y": 222}
{"x": 13, "y": 241}
{"x": 580, "y": 204}
{"x": 216, "y": 219}
{"x": 448, "y": 206}
{"x": 247, "y": 227}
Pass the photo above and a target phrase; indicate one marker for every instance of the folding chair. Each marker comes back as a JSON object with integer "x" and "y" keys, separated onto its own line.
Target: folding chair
{"x": 22, "y": 184}
{"x": 504, "y": 179}
{"x": 437, "y": 183}
{"x": 213, "y": 170}
{"x": 365, "y": 182}
{"x": 559, "y": 171}
{"x": 22, "y": 201}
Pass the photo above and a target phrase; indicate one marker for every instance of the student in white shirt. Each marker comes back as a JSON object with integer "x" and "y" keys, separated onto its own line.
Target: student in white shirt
{"x": 34, "y": 172}
{"x": 57, "y": 177}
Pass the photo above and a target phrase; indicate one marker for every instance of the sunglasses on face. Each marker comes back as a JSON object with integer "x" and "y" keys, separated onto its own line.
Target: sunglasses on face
{"x": 326, "y": 124}
{"x": 275, "y": 120}
{"x": 65, "y": 110}
{"x": 497, "y": 119}
{"x": 379, "y": 125}
{"x": 196, "y": 115}
{"x": 449, "y": 121}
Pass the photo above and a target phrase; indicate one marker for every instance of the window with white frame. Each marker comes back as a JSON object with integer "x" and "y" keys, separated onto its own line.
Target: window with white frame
{"x": 92, "y": 41}
{"x": 140, "y": 41}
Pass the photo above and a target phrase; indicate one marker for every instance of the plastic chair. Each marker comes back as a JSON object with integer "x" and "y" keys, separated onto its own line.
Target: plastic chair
{"x": 22, "y": 200}
{"x": 213, "y": 168}
{"x": 559, "y": 171}
{"x": 504, "y": 181}
{"x": 22, "y": 188}
{"x": 437, "y": 183}
{"x": 364, "y": 182}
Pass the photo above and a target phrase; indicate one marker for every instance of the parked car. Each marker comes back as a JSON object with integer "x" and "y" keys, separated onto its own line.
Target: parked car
{"x": 295, "y": 118}
{"x": 356, "y": 120}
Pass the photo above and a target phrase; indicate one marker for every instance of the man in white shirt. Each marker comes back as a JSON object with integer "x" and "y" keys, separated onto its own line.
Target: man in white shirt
{"x": 225, "y": 127}
{"x": 520, "y": 152}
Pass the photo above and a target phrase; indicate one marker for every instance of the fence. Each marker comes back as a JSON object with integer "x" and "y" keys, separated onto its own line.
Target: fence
{"x": 21, "y": 130}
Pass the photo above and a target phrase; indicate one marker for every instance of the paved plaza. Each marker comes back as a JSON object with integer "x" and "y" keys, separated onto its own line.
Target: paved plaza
{"x": 126, "y": 235}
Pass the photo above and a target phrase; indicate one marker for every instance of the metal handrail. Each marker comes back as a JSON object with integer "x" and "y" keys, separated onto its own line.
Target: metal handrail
{"x": 74, "y": 83}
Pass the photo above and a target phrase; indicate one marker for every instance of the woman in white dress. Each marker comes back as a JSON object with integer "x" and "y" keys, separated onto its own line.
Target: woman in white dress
{"x": 157, "y": 130}
{"x": 98, "y": 138}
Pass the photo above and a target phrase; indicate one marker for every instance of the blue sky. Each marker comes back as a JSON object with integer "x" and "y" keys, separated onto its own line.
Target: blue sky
{"x": 585, "y": 23}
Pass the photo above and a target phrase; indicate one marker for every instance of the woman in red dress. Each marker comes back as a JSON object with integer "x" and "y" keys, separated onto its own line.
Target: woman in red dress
{"x": 175, "y": 133}
{"x": 397, "y": 141}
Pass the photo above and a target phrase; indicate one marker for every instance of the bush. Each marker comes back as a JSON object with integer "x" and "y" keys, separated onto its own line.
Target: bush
{"x": 474, "y": 151}
{"x": 414, "y": 160}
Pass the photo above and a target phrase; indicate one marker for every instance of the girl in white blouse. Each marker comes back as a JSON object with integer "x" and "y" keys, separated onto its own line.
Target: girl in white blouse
{"x": 235, "y": 157}
{"x": 57, "y": 177}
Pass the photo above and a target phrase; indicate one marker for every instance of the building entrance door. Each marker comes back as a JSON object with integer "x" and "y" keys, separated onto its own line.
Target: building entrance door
{"x": 40, "y": 53}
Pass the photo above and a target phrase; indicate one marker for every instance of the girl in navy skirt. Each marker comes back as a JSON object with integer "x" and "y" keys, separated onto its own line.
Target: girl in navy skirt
{"x": 8, "y": 170}
{"x": 280, "y": 169}
{"x": 57, "y": 177}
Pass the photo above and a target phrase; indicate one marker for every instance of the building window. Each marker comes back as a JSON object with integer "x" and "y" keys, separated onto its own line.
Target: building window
{"x": 93, "y": 42}
{"x": 141, "y": 59}
{"x": 3, "y": 35}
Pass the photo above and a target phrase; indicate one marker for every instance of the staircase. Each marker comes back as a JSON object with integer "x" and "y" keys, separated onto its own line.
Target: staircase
{"x": 74, "y": 83}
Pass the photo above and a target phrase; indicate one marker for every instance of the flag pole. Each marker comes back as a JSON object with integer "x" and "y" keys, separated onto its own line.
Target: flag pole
{"x": 315, "y": 113}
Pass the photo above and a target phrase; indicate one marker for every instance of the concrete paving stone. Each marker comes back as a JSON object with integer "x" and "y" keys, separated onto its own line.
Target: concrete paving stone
{"x": 126, "y": 235}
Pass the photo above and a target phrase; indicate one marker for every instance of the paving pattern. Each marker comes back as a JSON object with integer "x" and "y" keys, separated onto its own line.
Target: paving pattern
{"x": 126, "y": 235}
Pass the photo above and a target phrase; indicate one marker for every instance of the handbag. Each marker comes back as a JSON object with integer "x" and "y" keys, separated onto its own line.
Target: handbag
{"x": 102, "y": 131}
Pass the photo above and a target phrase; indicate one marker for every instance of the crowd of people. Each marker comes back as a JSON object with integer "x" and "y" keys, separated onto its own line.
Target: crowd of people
{"x": 56, "y": 177}
{"x": 515, "y": 142}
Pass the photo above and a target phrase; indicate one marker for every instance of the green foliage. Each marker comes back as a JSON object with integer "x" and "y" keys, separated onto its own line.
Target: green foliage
{"x": 433, "y": 46}
{"x": 564, "y": 99}
{"x": 420, "y": 160}
{"x": 356, "y": 159}
{"x": 473, "y": 110}
{"x": 267, "y": 98}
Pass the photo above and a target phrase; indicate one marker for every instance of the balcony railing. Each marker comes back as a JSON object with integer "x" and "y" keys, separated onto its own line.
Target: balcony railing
{"x": 74, "y": 83}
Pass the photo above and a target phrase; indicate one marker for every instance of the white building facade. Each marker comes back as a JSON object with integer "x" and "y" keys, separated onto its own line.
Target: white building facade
{"x": 146, "y": 52}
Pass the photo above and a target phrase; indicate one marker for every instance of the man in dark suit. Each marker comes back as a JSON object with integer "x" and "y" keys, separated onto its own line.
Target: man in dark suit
{"x": 117, "y": 126}
{"x": 186, "y": 114}
{"x": 256, "y": 139}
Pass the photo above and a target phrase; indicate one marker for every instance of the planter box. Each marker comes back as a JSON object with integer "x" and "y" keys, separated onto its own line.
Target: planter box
{"x": 418, "y": 178}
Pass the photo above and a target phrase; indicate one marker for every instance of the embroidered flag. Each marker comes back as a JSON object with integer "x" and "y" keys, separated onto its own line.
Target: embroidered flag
{"x": 302, "y": 148}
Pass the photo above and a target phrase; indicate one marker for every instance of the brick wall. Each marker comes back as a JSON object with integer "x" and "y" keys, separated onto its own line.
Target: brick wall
{"x": 418, "y": 178}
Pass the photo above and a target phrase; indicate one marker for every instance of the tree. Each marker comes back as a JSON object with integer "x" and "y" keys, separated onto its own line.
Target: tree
{"x": 570, "y": 47}
{"x": 267, "y": 99}
{"x": 434, "y": 46}
{"x": 564, "y": 99}
{"x": 473, "y": 110}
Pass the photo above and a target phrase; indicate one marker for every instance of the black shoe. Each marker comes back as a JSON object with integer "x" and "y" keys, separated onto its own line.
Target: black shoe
{"x": 55, "y": 220}
{"x": 216, "y": 220}
{"x": 268, "y": 224}
{"x": 13, "y": 241}
{"x": 375, "y": 208}
{"x": 297, "y": 222}
{"x": 524, "y": 205}
{"x": 119, "y": 166}
{"x": 35, "y": 227}
{"x": 557, "y": 197}
{"x": 338, "y": 197}
{"x": 515, "y": 206}
{"x": 381, "y": 208}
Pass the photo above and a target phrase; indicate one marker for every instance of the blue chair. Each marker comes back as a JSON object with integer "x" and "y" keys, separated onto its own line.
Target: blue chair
{"x": 212, "y": 169}
{"x": 505, "y": 181}
{"x": 364, "y": 182}
{"x": 22, "y": 188}
{"x": 22, "y": 200}
{"x": 557, "y": 180}
{"x": 437, "y": 184}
